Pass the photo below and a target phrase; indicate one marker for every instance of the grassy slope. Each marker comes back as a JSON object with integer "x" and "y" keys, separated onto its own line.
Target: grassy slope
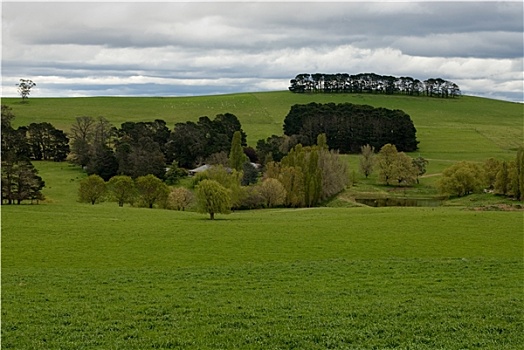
{"x": 107, "y": 277}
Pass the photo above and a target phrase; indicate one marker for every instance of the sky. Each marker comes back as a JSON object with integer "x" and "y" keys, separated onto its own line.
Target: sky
{"x": 74, "y": 49}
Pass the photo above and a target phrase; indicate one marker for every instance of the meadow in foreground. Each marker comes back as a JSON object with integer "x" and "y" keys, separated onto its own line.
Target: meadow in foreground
{"x": 81, "y": 276}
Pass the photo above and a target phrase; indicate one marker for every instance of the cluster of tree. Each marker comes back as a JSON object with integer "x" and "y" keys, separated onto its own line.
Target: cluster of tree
{"x": 394, "y": 167}
{"x": 373, "y": 83}
{"x": 348, "y": 127}
{"x": 305, "y": 177}
{"x": 20, "y": 179}
{"x": 141, "y": 148}
{"x": 502, "y": 177}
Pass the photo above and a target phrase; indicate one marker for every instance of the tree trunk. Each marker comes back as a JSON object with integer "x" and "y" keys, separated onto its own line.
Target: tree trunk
{"x": 212, "y": 216}
{"x": 121, "y": 204}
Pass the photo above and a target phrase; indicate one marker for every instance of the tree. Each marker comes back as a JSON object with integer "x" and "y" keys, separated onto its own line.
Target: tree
{"x": 461, "y": 179}
{"x": 273, "y": 192}
{"x": 491, "y": 168}
{"x": 174, "y": 174}
{"x": 92, "y": 189}
{"x": 82, "y": 135}
{"x": 179, "y": 198}
{"x": 24, "y": 88}
{"x": 151, "y": 190}
{"x": 405, "y": 170}
{"x": 121, "y": 189}
{"x": 237, "y": 158}
{"x": 420, "y": 165}
{"x": 20, "y": 181}
{"x": 386, "y": 159}
{"x": 213, "y": 198}
{"x": 502, "y": 183}
{"x": 519, "y": 180}
{"x": 367, "y": 160}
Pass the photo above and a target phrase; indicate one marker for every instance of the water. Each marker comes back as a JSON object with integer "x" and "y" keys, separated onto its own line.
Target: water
{"x": 399, "y": 202}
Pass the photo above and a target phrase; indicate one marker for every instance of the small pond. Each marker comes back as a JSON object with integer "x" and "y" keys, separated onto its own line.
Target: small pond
{"x": 399, "y": 202}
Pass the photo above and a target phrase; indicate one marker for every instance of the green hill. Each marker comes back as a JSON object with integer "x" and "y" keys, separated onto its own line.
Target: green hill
{"x": 462, "y": 128}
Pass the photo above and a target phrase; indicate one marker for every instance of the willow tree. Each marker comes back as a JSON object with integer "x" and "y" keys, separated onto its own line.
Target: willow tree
{"x": 212, "y": 198}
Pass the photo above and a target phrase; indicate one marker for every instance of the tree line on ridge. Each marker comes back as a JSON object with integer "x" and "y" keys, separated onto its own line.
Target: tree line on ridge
{"x": 373, "y": 83}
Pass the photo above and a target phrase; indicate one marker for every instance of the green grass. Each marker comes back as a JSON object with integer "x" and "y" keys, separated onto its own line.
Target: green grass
{"x": 76, "y": 276}
{"x": 81, "y": 276}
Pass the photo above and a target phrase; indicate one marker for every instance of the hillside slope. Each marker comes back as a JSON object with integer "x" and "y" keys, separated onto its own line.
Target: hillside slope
{"x": 448, "y": 129}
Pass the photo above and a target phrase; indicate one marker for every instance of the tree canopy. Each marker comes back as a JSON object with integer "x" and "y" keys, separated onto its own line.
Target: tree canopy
{"x": 373, "y": 83}
{"x": 348, "y": 126}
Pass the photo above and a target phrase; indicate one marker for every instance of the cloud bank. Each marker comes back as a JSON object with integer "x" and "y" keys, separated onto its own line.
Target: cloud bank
{"x": 173, "y": 49}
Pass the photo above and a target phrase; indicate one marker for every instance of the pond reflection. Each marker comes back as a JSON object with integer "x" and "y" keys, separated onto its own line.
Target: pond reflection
{"x": 399, "y": 202}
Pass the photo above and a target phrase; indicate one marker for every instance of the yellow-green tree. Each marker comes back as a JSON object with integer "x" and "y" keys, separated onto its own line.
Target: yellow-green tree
{"x": 461, "y": 179}
{"x": 151, "y": 190}
{"x": 121, "y": 189}
{"x": 92, "y": 189}
{"x": 212, "y": 198}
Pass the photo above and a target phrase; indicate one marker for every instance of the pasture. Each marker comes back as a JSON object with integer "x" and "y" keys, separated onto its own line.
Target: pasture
{"x": 103, "y": 277}
{"x": 76, "y": 276}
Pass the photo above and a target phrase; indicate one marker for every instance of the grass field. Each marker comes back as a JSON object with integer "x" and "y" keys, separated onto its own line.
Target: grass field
{"x": 76, "y": 276}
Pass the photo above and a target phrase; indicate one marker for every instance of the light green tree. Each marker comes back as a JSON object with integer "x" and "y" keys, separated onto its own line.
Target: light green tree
{"x": 404, "y": 170}
{"x": 237, "y": 158}
{"x": 386, "y": 159}
{"x": 121, "y": 189}
{"x": 92, "y": 189}
{"x": 212, "y": 198}
{"x": 151, "y": 190}
{"x": 461, "y": 179}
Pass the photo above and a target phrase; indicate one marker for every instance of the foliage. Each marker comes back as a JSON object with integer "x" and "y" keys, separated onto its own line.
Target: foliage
{"x": 237, "y": 158}
{"x": 373, "y": 83}
{"x": 190, "y": 143}
{"x": 491, "y": 167}
{"x": 386, "y": 159}
{"x": 348, "y": 126}
{"x": 180, "y": 198}
{"x": 121, "y": 189}
{"x": 461, "y": 179}
{"x": 213, "y": 198}
{"x": 249, "y": 174}
{"x": 92, "y": 190}
{"x": 151, "y": 190}
{"x": 174, "y": 174}
{"x": 519, "y": 174}
{"x": 367, "y": 160}
{"x": 420, "y": 165}
{"x": 272, "y": 192}
{"x": 24, "y": 88}
{"x": 502, "y": 183}
{"x": 46, "y": 142}
{"x": 20, "y": 181}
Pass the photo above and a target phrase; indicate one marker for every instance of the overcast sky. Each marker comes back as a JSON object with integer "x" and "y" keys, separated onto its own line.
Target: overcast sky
{"x": 187, "y": 48}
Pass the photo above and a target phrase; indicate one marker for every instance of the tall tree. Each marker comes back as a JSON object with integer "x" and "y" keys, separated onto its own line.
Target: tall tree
{"x": 20, "y": 181}
{"x": 367, "y": 160}
{"x": 213, "y": 198}
{"x": 386, "y": 159}
{"x": 237, "y": 158}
